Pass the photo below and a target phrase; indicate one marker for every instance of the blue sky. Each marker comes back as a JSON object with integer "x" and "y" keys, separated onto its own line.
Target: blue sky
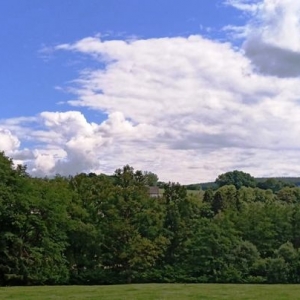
{"x": 29, "y": 75}
{"x": 187, "y": 89}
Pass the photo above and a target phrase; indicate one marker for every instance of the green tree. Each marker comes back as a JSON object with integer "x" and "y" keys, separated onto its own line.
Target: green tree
{"x": 181, "y": 217}
{"x": 290, "y": 255}
{"x": 174, "y": 196}
{"x": 132, "y": 227}
{"x": 47, "y": 233}
{"x": 211, "y": 256}
{"x": 32, "y": 222}
{"x": 84, "y": 233}
{"x": 266, "y": 225}
{"x": 225, "y": 198}
{"x": 236, "y": 178}
{"x": 246, "y": 195}
{"x": 151, "y": 179}
{"x": 208, "y": 196}
{"x": 274, "y": 184}
{"x": 289, "y": 195}
{"x": 295, "y": 225}
{"x": 246, "y": 256}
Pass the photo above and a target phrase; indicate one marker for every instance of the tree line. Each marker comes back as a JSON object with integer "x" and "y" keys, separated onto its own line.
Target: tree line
{"x": 99, "y": 229}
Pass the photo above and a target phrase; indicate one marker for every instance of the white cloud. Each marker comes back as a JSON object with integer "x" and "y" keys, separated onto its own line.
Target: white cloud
{"x": 8, "y": 142}
{"x": 244, "y": 5}
{"x": 66, "y": 143}
{"x": 272, "y": 35}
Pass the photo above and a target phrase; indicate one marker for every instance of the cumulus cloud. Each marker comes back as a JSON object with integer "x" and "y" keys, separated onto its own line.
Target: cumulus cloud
{"x": 272, "y": 35}
{"x": 8, "y": 142}
{"x": 66, "y": 143}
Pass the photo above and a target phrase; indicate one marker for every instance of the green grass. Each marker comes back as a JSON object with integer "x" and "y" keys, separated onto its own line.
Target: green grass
{"x": 154, "y": 291}
{"x": 189, "y": 192}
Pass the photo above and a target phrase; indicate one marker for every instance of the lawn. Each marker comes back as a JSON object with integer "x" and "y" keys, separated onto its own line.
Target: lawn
{"x": 197, "y": 193}
{"x": 154, "y": 291}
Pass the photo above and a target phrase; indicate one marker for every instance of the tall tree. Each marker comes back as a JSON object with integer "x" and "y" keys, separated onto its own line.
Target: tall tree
{"x": 132, "y": 226}
{"x": 225, "y": 198}
{"x": 236, "y": 178}
{"x": 181, "y": 215}
{"x": 32, "y": 222}
{"x": 151, "y": 179}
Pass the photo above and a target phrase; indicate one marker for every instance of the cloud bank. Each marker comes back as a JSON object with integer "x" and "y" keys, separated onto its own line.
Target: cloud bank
{"x": 187, "y": 108}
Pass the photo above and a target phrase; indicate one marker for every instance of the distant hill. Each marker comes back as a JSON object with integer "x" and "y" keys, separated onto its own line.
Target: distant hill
{"x": 294, "y": 180}
{"x": 212, "y": 185}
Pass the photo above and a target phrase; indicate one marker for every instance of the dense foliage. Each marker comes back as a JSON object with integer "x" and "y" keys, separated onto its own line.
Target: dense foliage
{"x": 98, "y": 229}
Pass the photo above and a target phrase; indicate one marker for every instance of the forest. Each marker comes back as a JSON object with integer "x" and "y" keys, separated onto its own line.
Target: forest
{"x": 100, "y": 229}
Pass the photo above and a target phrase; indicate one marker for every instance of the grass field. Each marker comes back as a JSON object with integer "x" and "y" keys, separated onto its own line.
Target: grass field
{"x": 154, "y": 291}
{"x": 189, "y": 192}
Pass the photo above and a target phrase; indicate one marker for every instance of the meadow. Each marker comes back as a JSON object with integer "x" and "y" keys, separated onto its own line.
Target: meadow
{"x": 154, "y": 292}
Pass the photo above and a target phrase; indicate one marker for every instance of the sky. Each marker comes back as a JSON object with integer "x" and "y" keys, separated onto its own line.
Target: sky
{"x": 186, "y": 89}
